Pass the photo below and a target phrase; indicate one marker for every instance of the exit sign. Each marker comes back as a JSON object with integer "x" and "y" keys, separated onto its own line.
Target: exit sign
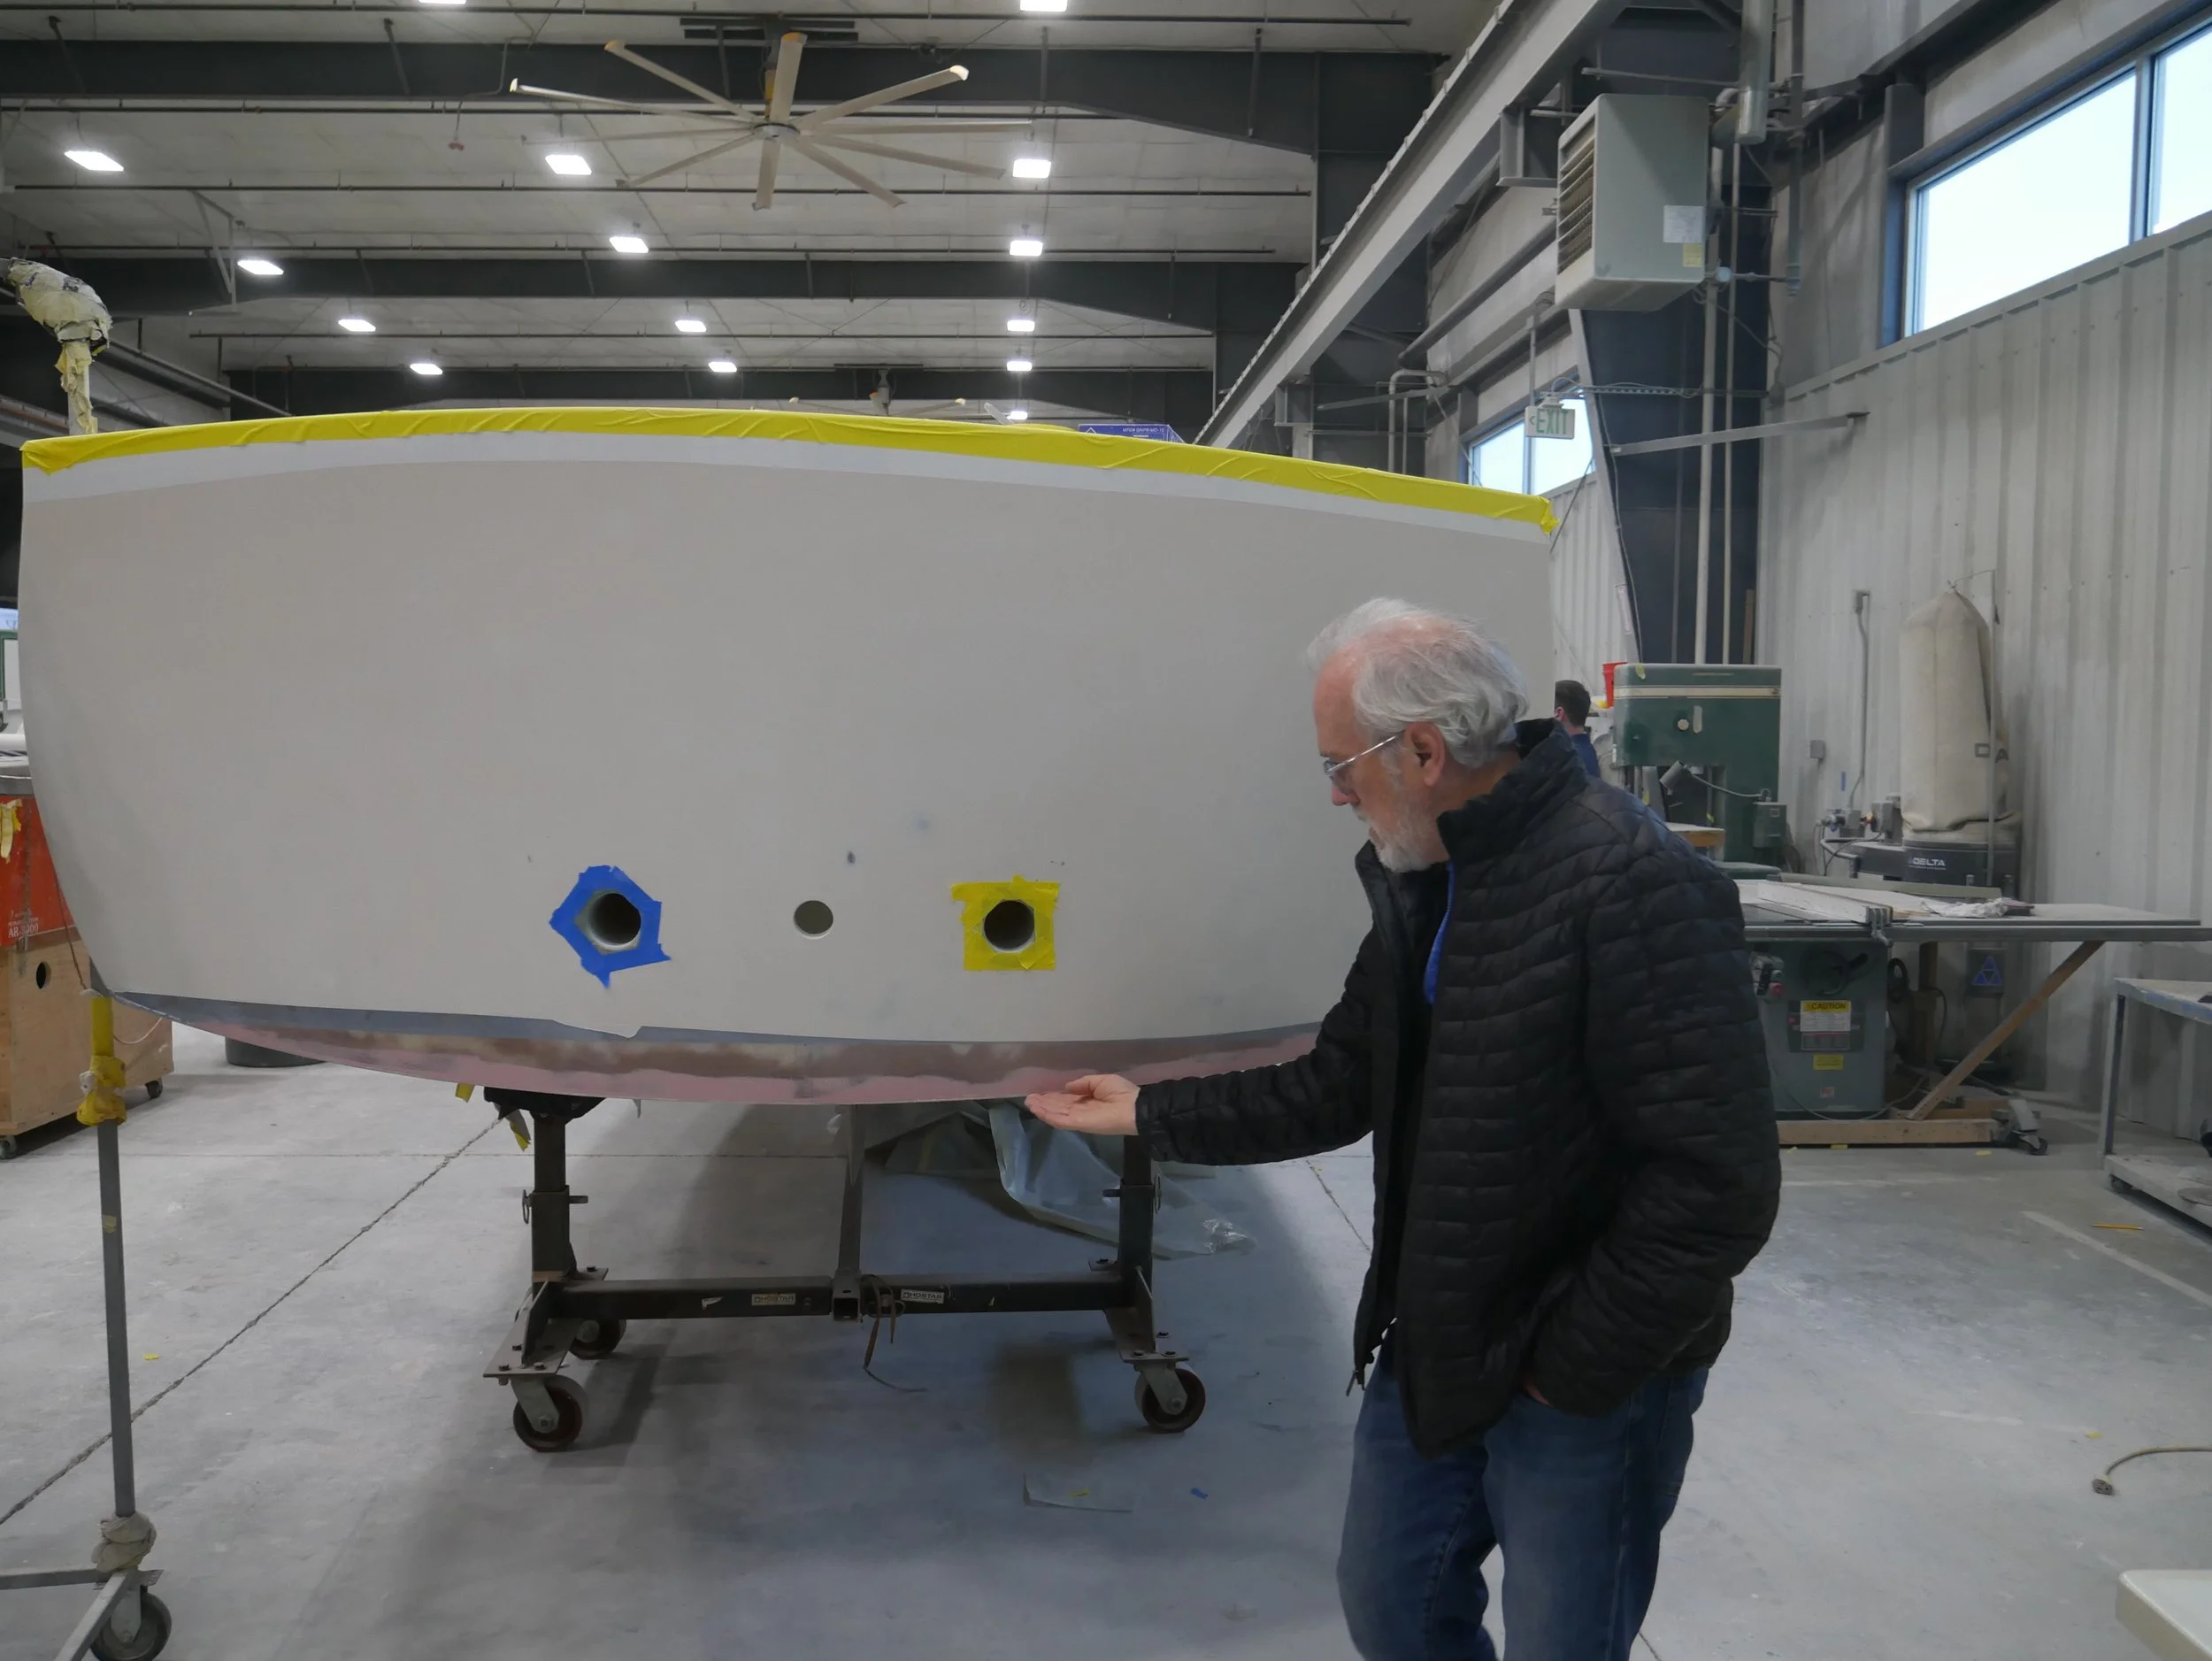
{"x": 1548, "y": 420}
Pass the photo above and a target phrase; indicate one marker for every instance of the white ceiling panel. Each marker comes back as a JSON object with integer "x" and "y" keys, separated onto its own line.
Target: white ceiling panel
{"x": 642, "y": 333}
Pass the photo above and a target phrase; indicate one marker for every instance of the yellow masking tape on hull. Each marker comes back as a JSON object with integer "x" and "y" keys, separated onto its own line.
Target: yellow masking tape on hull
{"x": 1058, "y": 446}
{"x": 1027, "y": 931}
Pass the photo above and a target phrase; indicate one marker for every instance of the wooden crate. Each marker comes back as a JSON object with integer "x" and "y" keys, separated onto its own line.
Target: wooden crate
{"x": 46, "y": 1033}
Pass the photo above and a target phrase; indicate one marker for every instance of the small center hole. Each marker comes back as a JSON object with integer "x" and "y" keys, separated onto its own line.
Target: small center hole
{"x": 39, "y": 977}
{"x": 812, "y": 918}
{"x": 611, "y": 921}
{"x": 1010, "y": 926}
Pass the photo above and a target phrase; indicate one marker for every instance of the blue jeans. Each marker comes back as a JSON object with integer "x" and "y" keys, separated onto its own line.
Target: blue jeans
{"x": 1576, "y": 1503}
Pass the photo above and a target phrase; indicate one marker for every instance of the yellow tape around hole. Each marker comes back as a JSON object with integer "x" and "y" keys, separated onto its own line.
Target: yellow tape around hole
{"x": 977, "y": 900}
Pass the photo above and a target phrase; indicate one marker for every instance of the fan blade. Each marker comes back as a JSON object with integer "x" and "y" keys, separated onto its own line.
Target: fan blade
{"x": 786, "y": 80}
{"x": 865, "y": 127}
{"x": 623, "y": 138}
{"x": 691, "y": 161}
{"x": 765, "y": 197}
{"x": 931, "y": 409}
{"x": 889, "y": 95}
{"x": 624, "y": 104}
{"x": 823, "y": 158}
{"x": 675, "y": 80}
{"x": 981, "y": 170}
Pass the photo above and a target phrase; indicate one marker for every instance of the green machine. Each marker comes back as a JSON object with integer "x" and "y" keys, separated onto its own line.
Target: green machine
{"x": 1715, "y": 732}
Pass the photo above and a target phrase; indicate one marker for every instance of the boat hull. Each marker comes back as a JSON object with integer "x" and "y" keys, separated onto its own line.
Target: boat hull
{"x": 338, "y": 741}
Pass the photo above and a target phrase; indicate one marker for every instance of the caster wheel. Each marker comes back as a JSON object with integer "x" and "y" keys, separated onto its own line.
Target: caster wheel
{"x": 8, "y": 1147}
{"x": 154, "y": 1088}
{"x": 1158, "y": 1418}
{"x": 147, "y": 1643}
{"x": 568, "y": 1403}
{"x": 596, "y": 1340}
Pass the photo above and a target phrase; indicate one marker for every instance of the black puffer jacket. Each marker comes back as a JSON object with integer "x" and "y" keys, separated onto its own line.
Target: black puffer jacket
{"x": 1592, "y": 1142}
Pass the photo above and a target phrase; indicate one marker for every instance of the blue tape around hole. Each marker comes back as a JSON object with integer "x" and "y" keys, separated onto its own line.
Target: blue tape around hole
{"x": 569, "y": 921}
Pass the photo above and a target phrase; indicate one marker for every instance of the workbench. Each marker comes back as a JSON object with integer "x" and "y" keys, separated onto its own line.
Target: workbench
{"x": 2186, "y": 1189}
{"x": 1778, "y": 910}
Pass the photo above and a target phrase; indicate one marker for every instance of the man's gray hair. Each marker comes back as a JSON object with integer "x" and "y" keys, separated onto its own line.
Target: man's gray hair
{"x": 1415, "y": 664}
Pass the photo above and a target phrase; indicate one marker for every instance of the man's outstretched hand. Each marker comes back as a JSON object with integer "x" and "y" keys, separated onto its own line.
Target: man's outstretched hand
{"x": 1102, "y": 1104}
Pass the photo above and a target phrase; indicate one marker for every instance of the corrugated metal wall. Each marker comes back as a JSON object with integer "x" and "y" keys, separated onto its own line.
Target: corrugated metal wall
{"x": 1588, "y": 630}
{"x": 2052, "y": 453}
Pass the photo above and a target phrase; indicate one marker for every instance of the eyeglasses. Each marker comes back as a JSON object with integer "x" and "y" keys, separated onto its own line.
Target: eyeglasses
{"x": 1335, "y": 770}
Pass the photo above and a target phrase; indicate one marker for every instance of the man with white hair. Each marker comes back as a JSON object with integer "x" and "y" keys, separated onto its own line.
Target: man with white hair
{"x": 1549, "y": 1032}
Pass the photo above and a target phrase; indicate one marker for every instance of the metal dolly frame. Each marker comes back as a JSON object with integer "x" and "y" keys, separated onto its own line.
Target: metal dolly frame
{"x": 573, "y": 1310}
{"x": 125, "y": 1622}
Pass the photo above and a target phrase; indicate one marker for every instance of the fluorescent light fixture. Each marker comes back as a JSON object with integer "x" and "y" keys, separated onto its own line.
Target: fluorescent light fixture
{"x": 1018, "y": 366}
{"x": 566, "y": 163}
{"x": 1021, "y": 325}
{"x": 444, "y": 3}
{"x": 724, "y": 366}
{"x": 1044, "y": 5}
{"x": 95, "y": 161}
{"x": 425, "y": 367}
{"x": 690, "y": 326}
{"x": 1027, "y": 246}
{"x": 254, "y": 265}
{"x": 1032, "y": 166}
{"x": 357, "y": 325}
{"x": 627, "y": 244}
{"x": 1017, "y": 415}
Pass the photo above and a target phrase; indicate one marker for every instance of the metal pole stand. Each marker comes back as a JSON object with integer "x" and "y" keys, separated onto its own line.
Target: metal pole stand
{"x": 578, "y": 1312}
{"x": 127, "y": 1622}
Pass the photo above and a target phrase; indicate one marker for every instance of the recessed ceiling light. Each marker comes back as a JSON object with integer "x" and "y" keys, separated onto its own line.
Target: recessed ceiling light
{"x": 1032, "y": 166}
{"x": 95, "y": 161}
{"x": 1017, "y": 415}
{"x": 1027, "y": 246}
{"x": 1021, "y": 325}
{"x": 566, "y": 163}
{"x": 426, "y": 369}
{"x": 723, "y": 366}
{"x": 1018, "y": 366}
{"x": 627, "y": 244}
{"x": 690, "y": 326}
{"x": 1044, "y": 5}
{"x": 357, "y": 325}
{"x": 254, "y": 265}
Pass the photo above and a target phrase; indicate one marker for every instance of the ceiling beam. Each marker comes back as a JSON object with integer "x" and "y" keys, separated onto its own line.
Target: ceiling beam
{"x": 1523, "y": 48}
{"x": 1268, "y": 99}
{"x": 1181, "y": 397}
{"x": 1238, "y": 296}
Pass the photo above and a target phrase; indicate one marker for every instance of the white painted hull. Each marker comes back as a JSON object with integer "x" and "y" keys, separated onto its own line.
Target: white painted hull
{"x": 325, "y": 733}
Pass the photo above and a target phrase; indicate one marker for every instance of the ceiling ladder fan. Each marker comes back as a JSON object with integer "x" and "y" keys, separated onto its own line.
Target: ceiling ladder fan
{"x": 823, "y": 137}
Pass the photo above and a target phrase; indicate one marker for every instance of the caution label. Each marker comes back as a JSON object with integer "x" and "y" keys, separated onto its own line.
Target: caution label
{"x": 1828, "y": 1064}
{"x": 1824, "y": 1015}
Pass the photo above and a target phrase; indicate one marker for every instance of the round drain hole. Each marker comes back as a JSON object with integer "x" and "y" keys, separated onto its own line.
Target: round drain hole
{"x": 812, "y": 918}
{"x": 611, "y": 921}
{"x": 1010, "y": 926}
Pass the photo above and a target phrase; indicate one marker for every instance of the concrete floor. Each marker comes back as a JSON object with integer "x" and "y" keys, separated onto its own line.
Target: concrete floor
{"x": 1932, "y": 1360}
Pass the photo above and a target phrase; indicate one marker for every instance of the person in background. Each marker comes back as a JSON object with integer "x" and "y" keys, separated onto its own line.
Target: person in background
{"x": 1571, "y": 701}
{"x": 1550, "y": 1034}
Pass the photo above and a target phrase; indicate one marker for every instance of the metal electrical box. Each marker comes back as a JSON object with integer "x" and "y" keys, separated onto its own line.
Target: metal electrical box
{"x": 1631, "y": 203}
{"x": 1824, "y": 1009}
{"x": 1723, "y": 722}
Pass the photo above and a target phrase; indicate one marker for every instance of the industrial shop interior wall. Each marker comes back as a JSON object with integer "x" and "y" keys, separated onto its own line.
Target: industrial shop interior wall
{"x": 2040, "y": 441}
{"x": 2046, "y": 454}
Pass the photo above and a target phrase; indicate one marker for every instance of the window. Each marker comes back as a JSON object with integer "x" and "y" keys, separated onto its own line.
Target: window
{"x": 1508, "y": 459}
{"x": 2181, "y": 135}
{"x": 2037, "y": 204}
{"x": 2129, "y": 159}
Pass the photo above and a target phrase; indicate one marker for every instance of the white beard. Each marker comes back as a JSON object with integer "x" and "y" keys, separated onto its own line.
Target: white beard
{"x": 1393, "y": 848}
